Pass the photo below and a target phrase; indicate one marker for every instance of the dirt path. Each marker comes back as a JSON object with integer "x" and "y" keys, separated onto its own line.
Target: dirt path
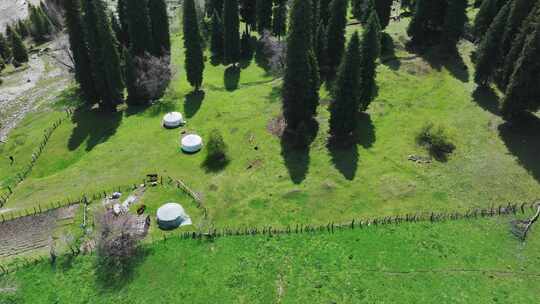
{"x": 29, "y": 87}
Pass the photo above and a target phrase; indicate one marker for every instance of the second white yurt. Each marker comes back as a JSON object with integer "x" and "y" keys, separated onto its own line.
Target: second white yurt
{"x": 191, "y": 143}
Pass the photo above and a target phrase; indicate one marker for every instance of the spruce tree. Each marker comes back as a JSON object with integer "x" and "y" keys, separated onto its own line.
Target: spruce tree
{"x": 160, "y": 27}
{"x": 264, "y": 15}
{"x": 517, "y": 46}
{"x": 139, "y": 28}
{"x": 488, "y": 51}
{"x": 487, "y": 12}
{"x": 384, "y": 9}
{"x": 104, "y": 54}
{"x": 454, "y": 23}
{"x": 19, "y": 50}
{"x": 194, "y": 61}
{"x": 523, "y": 91}
{"x": 79, "y": 50}
{"x": 231, "y": 32}
{"x": 518, "y": 13}
{"x": 22, "y": 28}
{"x": 366, "y": 11}
{"x": 346, "y": 93}
{"x": 321, "y": 50}
{"x": 356, "y": 9}
{"x": 371, "y": 49}
{"x": 279, "y": 27}
{"x": 248, "y": 13}
{"x": 216, "y": 38}
{"x": 427, "y": 22}
{"x": 324, "y": 11}
{"x": 130, "y": 76}
{"x": 121, "y": 10}
{"x": 300, "y": 94}
{"x": 5, "y": 49}
{"x": 336, "y": 35}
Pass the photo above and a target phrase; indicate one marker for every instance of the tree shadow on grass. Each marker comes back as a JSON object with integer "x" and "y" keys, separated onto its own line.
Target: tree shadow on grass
{"x": 523, "y": 140}
{"x": 93, "y": 126}
{"x": 295, "y": 150}
{"x": 192, "y": 103}
{"x": 71, "y": 98}
{"x": 111, "y": 278}
{"x": 214, "y": 165}
{"x": 344, "y": 152}
{"x": 451, "y": 59}
{"x": 486, "y": 98}
{"x": 231, "y": 78}
{"x": 261, "y": 57}
{"x": 388, "y": 55}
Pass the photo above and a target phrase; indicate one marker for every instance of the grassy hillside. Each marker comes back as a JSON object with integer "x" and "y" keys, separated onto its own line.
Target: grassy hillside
{"x": 267, "y": 182}
{"x": 475, "y": 261}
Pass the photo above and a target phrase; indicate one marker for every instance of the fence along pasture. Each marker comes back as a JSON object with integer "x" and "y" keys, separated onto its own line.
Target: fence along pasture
{"x": 21, "y": 176}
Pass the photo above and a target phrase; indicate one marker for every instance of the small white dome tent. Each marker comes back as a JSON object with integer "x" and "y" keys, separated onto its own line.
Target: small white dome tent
{"x": 191, "y": 143}
{"x": 171, "y": 216}
{"x": 173, "y": 120}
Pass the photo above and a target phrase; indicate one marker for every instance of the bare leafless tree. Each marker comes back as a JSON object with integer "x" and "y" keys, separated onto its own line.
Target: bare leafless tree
{"x": 153, "y": 76}
{"x": 275, "y": 51}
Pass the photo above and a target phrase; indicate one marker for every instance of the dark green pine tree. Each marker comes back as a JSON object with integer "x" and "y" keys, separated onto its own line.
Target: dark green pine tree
{"x": 248, "y": 14}
{"x": 139, "y": 27}
{"x": 130, "y": 76}
{"x": 371, "y": 49}
{"x": 336, "y": 35}
{"x": 231, "y": 32}
{"x": 488, "y": 51}
{"x": 454, "y": 23}
{"x": 264, "y": 15}
{"x": 5, "y": 49}
{"x": 366, "y": 11}
{"x": 117, "y": 29}
{"x": 279, "y": 26}
{"x": 79, "y": 50}
{"x": 324, "y": 11}
{"x": 17, "y": 46}
{"x": 104, "y": 54}
{"x": 217, "y": 6}
{"x": 321, "y": 50}
{"x": 121, "y": 10}
{"x": 518, "y": 13}
{"x": 316, "y": 18}
{"x": 523, "y": 91}
{"x": 356, "y": 9}
{"x": 216, "y": 37}
{"x": 517, "y": 46}
{"x": 194, "y": 60}
{"x": 487, "y": 12}
{"x": 301, "y": 83}
{"x": 22, "y": 28}
{"x": 160, "y": 27}
{"x": 427, "y": 22}
{"x": 384, "y": 9}
{"x": 346, "y": 93}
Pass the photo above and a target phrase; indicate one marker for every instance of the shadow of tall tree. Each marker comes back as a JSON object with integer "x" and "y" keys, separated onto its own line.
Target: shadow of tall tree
{"x": 388, "y": 52}
{"x": 93, "y": 126}
{"x": 451, "y": 59}
{"x": 192, "y": 103}
{"x": 344, "y": 152}
{"x": 295, "y": 146}
{"x": 486, "y": 98}
{"x": 111, "y": 278}
{"x": 523, "y": 140}
{"x": 231, "y": 78}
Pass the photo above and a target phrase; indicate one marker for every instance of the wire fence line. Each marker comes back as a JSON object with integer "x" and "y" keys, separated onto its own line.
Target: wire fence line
{"x": 21, "y": 176}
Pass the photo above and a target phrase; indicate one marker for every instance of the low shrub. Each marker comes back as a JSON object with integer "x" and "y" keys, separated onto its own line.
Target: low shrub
{"x": 436, "y": 140}
{"x": 216, "y": 151}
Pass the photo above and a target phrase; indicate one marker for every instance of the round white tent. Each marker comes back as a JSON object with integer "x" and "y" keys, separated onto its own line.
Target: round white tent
{"x": 191, "y": 143}
{"x": 172, "y": 215}
{"x": 173, "y": 120}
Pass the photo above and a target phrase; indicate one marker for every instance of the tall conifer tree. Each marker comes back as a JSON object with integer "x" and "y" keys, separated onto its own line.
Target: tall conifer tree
{"x": 248, "y": 13}
{"x": 5, "y": 49}
{"x": 17, "y": 46}
{"x": 139, "y": 28}
{"x": 216, "y": 38}
{"x": 160, "y": 27}
{"x": 454, "y": 22}
{"x": 336, "y": 35}
{"x": 231, "y": 32}
{"x": 300, "y": 83}
{"x": 371, "y": 49}
{"x": 79, "y": 50}
{"x": 264, "y": 15}
{"x": 194, "y": 61}
{"x": 345, "y": 105}
{"x": 279, "y": 26}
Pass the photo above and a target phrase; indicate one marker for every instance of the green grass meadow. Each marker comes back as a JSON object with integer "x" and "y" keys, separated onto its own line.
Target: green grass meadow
{"x": 465, "y": 261}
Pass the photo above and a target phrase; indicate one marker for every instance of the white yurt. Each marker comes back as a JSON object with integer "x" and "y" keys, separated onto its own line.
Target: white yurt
{"x": 172, "y": 215}
{"x": 191, "y": 143}
{"x": 173, "y": 120}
